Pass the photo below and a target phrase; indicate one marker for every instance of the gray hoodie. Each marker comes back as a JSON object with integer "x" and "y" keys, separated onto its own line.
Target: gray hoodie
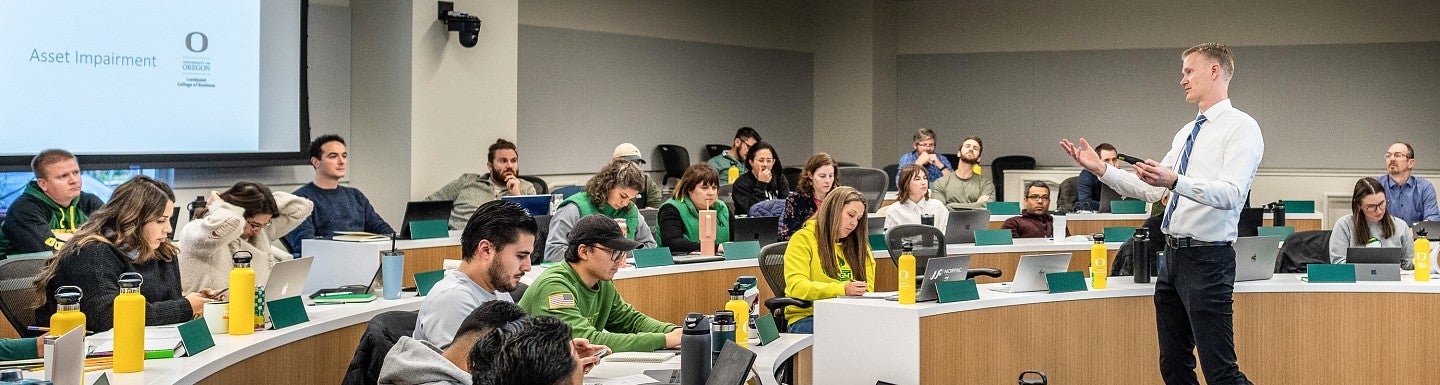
{"x": 415, "y": 362}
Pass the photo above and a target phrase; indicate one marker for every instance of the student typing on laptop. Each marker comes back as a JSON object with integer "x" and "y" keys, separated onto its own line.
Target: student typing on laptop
{"x": 247, "y": 217}
{"x": 828, "y": 257}
{"x": 469, "y": 191}
{"x": 679, "y": 217}
{"x": 495, "y": 252}
{"x": 1370, "y": 224}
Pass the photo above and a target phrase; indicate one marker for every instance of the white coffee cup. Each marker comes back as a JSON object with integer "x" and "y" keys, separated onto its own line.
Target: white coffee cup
{"x": 216, "y": 317}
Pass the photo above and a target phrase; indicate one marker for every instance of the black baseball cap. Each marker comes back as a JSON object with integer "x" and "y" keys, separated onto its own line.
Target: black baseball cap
{"x": 602, "y": 230}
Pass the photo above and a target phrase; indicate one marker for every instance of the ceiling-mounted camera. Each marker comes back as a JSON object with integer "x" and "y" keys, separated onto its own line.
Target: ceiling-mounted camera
{"x": 468, "y": 26}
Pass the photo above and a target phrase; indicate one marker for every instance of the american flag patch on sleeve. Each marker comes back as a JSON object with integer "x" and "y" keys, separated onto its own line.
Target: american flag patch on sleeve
{"x": 561, "y": 301}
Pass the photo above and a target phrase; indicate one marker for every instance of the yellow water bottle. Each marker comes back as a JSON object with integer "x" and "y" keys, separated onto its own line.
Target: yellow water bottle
{"x": 1422, "y": 256}
{"x": 733, "y": 174}
{"x": 242, "y": 295}
{"x": 129, "y": 325}
{"x": 906, "y": 278}
{"x": 1099, "y": 270}
{"x": 67, "y": 315}
{"x": 737, "y": 305}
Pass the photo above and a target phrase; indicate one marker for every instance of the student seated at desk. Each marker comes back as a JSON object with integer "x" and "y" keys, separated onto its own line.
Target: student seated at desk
{"x": 129, "y": 234}
{"x": 735, "y": 155}
{"x": 924, "y": 155}
{"x": 581, "y": 292}
{"x": 913, "y": 201}
{"x": 764, "y": 180}
{"x": 495, "y": 252}
{"x": 532, "y": 351}
{"x": 247, "y": 217}
{"x": 337, "y": 208}
{"x": 469, "y": 191}
{"x": 815, "y": 182}
{"x": 610, "y": 192}
{"x": 965, "y": 188}
{"x": 21, "y": 349}
{"x": 1035, "y": 220}
{"x": 50, "y": 209}
{"x": 413, "y": 361}
{"x": 1380, "y": 229}
{"x": 679, "y": 217}
{"x": 825, "y": 258}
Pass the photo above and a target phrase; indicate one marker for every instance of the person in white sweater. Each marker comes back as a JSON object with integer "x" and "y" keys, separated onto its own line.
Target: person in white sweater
{"x": 914, "y": 201}
{"x": 246, "y": 217}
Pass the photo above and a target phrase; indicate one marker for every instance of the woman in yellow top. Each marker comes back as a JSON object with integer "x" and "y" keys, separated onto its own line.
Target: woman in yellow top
{"x": 822, "y": 258}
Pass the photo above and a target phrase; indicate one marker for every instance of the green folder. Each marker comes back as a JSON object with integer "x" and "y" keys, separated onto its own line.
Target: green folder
{"x": 956, "y": 291}
{"x": 1280, "y": 231}
{"x": 1127, "y": 206}
{"x": 1065, "y": 282}
{"x": 344, "y": 298}
{"x": 1003, "y": 208}
{"x": 659, "y": 256}
{"x": 877, "y": 242}
{"x": 765, "y": 324}
{"x": 1299, "y": 207}
{"x": 438, "y": 228}
{"x": 1118, "y": 233}
{"x": 994, "y": 237}
{"x": 742, "y": 250}
{"x": 425, "y": 281}
{"x": 196, "y": 336}
{"x": 1324, "y": 272}
{"x": 288, "y": 311}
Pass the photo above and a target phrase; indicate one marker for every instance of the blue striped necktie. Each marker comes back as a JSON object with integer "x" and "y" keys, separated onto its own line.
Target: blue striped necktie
{"x": 1180, "y": 170}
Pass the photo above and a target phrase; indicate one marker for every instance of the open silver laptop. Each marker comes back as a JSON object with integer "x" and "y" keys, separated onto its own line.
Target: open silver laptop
{"x": 1255, "y": 258}
{"x": 1030, "y": 274}
{"x": 942, "y": 269}
{"x": 1375, "y": 263}
{"x": 961, "y": 225}
{"x": 287, "y": 279}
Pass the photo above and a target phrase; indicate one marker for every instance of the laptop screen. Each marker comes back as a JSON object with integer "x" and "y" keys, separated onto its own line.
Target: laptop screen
{"x": 424, "y": 211}
{"x": 537, "y": 205}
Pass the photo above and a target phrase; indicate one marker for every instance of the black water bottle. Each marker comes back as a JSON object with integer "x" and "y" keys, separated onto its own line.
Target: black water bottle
{"x": 695, "y": 351}
{"x": 1278, "y": 212}
{"x": 1140, "y": 262}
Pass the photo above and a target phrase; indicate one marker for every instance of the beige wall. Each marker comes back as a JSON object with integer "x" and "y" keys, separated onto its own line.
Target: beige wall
{"x": 752, "y": 23}
{"x": 1002, "y": 25}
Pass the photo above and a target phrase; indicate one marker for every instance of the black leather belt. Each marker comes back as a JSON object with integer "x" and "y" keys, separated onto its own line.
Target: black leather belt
{"x": 1181, "y": 243}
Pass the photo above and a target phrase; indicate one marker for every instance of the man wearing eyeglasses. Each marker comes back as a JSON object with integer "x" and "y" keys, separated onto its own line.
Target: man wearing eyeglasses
{"x": 581, "y": 292}
{"x": 1411, "y": 198}
{"x": 1035, "y": 220}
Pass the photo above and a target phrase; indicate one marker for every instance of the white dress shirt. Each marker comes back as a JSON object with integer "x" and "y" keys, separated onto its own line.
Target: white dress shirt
{"x": 1217, "y": 178}
{"x": 908, "y": 212}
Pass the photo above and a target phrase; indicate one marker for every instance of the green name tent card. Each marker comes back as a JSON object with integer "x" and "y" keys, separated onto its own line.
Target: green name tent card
{"x": 765, "y": 324}
{"x": 196, "y": 336}
{"x": 438, "y": 228}
{"x": 1003, "y": 208}
{"x": 993, "y": 237}
{"x": 425, "y": 281}
{"x": 652, "y": 257}
{"x": 286, "y": 312}
{"x": 1066, "y": 282}
{"x": 1127, "y": 206}
{"x": 1275, "y": 231}
{"x": 1299, "y": 207}
{"x": 877, "y": 242}
{"x": 1118, "y": 233}
{"x": 1325, "y": 272}
{"x": 956, "y": 291}
{"x": 742, "y": 250}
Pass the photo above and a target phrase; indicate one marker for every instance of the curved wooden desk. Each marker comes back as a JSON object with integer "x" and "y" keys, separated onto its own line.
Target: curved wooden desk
{"x": 1286, "y": 331}
{"x": 315, "y": 352}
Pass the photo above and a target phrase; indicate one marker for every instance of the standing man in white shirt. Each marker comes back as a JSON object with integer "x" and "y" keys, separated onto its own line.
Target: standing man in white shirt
{"x": 1210, "y": 166}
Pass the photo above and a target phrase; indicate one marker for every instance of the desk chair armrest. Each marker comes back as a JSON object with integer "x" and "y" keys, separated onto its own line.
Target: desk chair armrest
{"x": 985, "y": 271}
{"x": 782, "y": 302}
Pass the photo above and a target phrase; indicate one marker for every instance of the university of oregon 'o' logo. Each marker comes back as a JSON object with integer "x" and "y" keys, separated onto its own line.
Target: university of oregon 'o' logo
{"x": 197, "y": 42}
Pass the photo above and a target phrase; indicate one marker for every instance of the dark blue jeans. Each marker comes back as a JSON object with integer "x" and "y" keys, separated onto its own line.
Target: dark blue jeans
{"x": 802, "y": 326}
{"x": 1193, "y": 311}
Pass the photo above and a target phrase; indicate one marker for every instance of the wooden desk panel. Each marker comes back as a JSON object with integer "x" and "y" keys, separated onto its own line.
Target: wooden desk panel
{"x": 321, "y": 359}
{"x": 669, "y": 297}
{"x": 1087, "y": 227}
{"x": 1291, "y": 338}
{"x": 425, "y": 259}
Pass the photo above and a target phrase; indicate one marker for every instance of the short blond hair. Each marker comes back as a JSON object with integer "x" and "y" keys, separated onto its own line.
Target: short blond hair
{"x": 1216, "y": 52}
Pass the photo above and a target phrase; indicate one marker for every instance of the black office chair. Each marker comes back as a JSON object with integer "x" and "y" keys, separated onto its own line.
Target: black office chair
{"x": 892, "y": 172}
{"x": 652, "y": 220}
{"x": 1068, "y": 194}
{"x": 953, "y": 158}
{"x": 542, "y": 231}
{"x": 380, "y": 335}
{"x": 674, "y": 159}
{"x": 18, "y": 298}
{"x": 1008, "y": 162}
{"x": 792, "y": 175}
{"x": 870, "y": 182}
{"x": 845, "y": 164}
{"x": 711, "y": 150}
{"x": 540, "y": 186}
{"x": 772, "y": 268}
{"x": 1302, "y": 249}
{"x": 926, "y": 242}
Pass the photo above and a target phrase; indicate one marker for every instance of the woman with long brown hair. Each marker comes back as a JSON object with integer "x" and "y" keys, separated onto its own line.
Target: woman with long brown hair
{"x": 247, "y": 217}
{"x": 828, "y": 257}
{"x": 1370, "y": 224}
{"x": 816, "y": 180}
{"x": 131, "y": 233}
